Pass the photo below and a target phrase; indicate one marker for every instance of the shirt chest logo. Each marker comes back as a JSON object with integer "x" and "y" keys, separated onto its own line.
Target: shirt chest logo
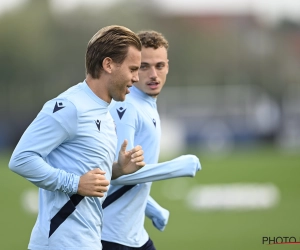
{"x": 154, "y": 122}
{"x": 121, "y": 112}
{"x": 98, "y": 123}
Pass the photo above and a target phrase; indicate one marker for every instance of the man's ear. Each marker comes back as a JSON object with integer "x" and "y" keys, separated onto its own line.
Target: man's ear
{"x": 107, "y": 64}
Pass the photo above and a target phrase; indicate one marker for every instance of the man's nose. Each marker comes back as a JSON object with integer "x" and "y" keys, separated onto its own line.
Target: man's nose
{"x": 135, "y": 78}
{"x": 153, "y": 73}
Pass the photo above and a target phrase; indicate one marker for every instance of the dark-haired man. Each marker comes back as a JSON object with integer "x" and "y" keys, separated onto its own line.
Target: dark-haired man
{"x": 138, "y": 121}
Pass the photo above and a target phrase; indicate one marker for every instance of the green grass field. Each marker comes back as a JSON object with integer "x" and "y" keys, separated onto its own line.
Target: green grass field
{"x": 190, "y": 229}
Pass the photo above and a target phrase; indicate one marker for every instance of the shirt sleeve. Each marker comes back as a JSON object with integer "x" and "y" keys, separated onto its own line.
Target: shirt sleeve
{"x": 183, "y": 166}
{"x": 44, "y": 134}
{"x": 157, "y": 214}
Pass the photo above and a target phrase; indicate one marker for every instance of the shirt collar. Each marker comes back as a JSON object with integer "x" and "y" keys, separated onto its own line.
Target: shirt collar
{"x": 134, "y": 91}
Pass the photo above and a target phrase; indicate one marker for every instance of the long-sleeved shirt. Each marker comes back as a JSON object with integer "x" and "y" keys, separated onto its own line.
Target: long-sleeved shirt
{"x": 137, "y": 120}
{"x": 72, "y": 134}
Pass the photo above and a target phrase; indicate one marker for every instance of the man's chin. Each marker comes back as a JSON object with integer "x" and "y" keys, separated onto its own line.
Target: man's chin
{"x": 153, "y": 93}
{"x": 119, "y": 98}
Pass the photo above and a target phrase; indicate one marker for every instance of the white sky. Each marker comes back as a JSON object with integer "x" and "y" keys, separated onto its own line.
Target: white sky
{"x": 268, "y": 9}
{"x": 6, "y": 5}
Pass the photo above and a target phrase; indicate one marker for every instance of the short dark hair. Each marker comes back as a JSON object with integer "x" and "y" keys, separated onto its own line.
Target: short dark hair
{"x": 111, "y": 41}
{"x": 153, "y": 39}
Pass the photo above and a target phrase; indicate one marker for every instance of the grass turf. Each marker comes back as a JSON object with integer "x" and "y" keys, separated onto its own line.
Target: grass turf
{"x": 187, "y": 229}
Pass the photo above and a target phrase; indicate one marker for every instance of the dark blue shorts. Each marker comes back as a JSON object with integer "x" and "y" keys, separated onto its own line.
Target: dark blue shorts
{"x": 106, "y": 245}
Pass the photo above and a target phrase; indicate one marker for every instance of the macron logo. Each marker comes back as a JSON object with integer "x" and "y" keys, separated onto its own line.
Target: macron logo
{"x": 154, "y": 122}
{"x": 121, "y": 112}
{"x": 98, "y": 124}
{"x": 58, "y": 106}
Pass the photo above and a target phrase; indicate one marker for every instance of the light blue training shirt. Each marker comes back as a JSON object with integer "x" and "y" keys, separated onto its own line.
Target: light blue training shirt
{"x": 72, "y": 134}
{"x": 137, "y": 120}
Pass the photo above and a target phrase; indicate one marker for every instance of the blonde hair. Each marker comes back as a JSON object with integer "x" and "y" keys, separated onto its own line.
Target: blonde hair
{"x": 111, "y": 41}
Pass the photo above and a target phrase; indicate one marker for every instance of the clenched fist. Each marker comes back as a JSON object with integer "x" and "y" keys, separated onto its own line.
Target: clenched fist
{"x": 93, "y": 183}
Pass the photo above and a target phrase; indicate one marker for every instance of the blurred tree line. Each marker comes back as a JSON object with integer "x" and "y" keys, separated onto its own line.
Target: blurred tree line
{"x": 42, "y": 53}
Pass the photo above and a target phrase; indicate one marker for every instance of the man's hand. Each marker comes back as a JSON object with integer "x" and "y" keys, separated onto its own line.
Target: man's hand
{"x": 93, "y": 183}
{"x": 128, "y": 161}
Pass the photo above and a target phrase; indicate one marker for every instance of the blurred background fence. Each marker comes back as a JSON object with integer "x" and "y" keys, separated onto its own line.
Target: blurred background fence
{"x": 232, "y": 74}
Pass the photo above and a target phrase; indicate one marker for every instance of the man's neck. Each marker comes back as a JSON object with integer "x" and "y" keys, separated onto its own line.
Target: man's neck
{"x": 98, "y": 86}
